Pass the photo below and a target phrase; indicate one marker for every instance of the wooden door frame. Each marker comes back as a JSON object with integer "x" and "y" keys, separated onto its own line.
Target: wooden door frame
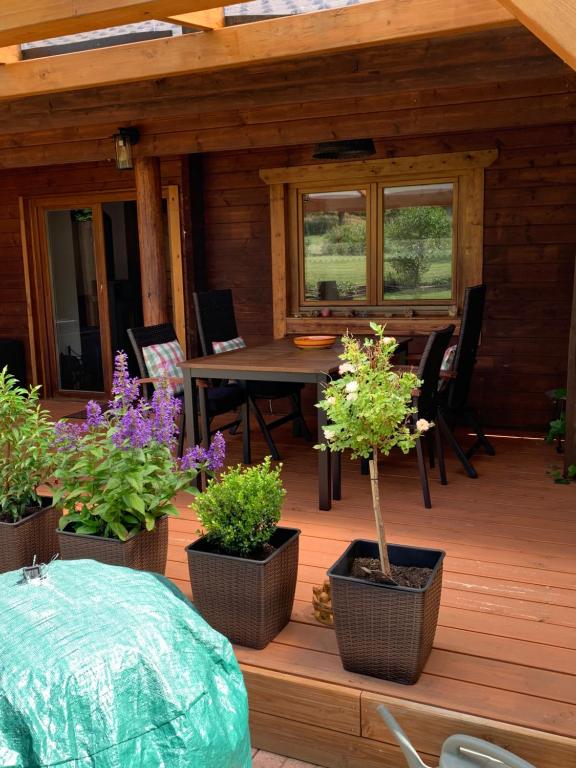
{"x": 37, "y": 279}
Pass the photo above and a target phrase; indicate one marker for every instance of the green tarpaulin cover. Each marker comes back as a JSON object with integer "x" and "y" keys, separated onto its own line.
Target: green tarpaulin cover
{"x": 105, "y": 667}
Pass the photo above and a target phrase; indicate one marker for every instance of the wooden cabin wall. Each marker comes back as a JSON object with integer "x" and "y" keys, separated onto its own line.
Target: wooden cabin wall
{"x": 529, "y": 253}
{"x": 56, "y": 180}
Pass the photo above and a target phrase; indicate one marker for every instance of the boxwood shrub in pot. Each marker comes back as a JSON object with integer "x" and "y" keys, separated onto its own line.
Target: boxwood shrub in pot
{"x": 243, "y": 569}
{"x": 117, "y": 476}
{"x": 27, "y": 520}
{"x": 385, "y": 598}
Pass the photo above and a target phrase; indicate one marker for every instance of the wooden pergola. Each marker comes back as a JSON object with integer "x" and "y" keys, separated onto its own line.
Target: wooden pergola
{"x": 217, "y": 47}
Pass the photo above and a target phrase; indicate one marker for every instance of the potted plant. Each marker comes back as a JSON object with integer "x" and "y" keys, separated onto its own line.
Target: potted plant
{"x": 27, "y": 520}
{"x": 243, "y": 569}
{"x": 385, "y": 597}
{"x": 117, "y": 476}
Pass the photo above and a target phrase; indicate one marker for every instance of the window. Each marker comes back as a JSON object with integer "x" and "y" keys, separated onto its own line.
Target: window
{"x": 399, "y": 237}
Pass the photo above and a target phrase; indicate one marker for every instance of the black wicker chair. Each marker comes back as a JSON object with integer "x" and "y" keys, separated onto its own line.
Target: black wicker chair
{"x": 453, "y": 402}
{"x": 217, "y": 322}
{"x": 219, "y": 399}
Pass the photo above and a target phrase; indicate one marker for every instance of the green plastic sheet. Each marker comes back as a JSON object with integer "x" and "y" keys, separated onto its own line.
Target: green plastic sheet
{"x": 105, "y": 667}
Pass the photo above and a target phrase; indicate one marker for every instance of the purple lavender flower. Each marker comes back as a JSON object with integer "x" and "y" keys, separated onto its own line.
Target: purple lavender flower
{"x": 124, "y": 388}
{"x": 164, "y": 410}
{"x": 94, "y": 417}
{"x": 211, "y": 459}
{"x": 133, "y": 429}
{"x": 67, "y": 435}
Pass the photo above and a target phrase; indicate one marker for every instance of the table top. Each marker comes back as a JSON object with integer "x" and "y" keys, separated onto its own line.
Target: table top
{"x": 280, "y": 358}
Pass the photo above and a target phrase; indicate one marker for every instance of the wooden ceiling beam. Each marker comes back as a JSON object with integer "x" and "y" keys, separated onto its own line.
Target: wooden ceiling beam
{"x": 23, "y": 21}
{"x": 213, "y": 18}
{"x": 552, "y": 21}
{"x": 292, "y": 37}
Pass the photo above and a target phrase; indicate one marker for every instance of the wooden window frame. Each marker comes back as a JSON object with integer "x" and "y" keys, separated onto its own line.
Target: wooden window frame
{"x": 464, "y": 169}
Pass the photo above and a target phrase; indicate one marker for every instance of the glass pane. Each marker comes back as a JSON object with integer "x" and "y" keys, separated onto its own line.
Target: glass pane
{"x": 123, "y": 275}
{"x": 335, "y": 246}
{"x": 75, "y": 297}
{"x": 418, "y": 233}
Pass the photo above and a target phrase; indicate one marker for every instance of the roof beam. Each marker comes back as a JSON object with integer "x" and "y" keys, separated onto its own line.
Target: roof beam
{"x": 23, "y": 21}
{"x": 552, "y": 21}
{"x": 340, "y": 29}
{"x": 213, "y": 18}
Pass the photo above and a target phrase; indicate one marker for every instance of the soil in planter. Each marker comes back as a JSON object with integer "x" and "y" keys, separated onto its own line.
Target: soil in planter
{"x": 403, "y": 575}
{"x": 262, "y": 553}
{"x": 6, "y": 518}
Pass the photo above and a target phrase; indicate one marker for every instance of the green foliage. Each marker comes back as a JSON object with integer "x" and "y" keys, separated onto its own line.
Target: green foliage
{"x": 563, "y": 479}
{"x": 414, "y": 238}
{"x": 25, "y": 456}
{"x": 240, "y": 511}
{"x": 557, "y": 429}
{"x": 370, "y": 406}
{"x": 117, "y": 492}
{"x": 349, "y": 237}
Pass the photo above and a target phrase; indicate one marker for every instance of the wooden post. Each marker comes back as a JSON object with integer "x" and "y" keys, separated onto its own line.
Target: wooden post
{"x": 570, "y": 443}
{"x": 151, "y": 239}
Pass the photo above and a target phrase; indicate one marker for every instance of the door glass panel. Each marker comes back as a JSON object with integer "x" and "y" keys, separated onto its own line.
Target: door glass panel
{"x": 75, "y": 299}
{"x": 334, "y": 225}
{"x": 418, "y": 248}
{"x": 123, "y": 275}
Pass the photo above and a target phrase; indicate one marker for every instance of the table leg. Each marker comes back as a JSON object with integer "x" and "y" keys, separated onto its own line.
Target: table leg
{"x": 191, "y": 411}
{"x": 246, "y": 446}
{"x": 324, "y": 461}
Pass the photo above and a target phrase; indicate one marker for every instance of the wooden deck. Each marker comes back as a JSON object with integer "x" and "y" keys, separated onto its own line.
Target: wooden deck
{"x": 504, "y": 660}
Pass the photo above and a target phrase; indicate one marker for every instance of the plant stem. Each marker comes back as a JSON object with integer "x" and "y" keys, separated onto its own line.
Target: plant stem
{"x": 384, "y": 561}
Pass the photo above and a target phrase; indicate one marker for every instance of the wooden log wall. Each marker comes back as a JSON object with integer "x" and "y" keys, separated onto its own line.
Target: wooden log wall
{"x": 81, "y": 178}
{"x": 529, "y": 254}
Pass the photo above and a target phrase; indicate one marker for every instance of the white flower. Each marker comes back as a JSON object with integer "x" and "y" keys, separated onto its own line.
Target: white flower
{"x": 352, "y": 386}
{"x": 389, "y": 340}
{"x": 331, "y": 400}
{"x": 352, "y": 396}
{"x": 346, "y": 368}
{"x": 422, "y": 425}
{"x": 328, "y": 434}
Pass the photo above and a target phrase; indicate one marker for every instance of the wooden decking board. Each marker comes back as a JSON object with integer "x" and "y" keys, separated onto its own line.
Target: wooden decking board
{"x": 504, "y": 658}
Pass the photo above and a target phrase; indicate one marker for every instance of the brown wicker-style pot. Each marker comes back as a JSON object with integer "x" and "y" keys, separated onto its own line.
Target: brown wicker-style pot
{"x": 147, "y": 551}
{"x": 382, "y": 630}
{"x": 34, "y": 535}
{"x": 249, "y": 601}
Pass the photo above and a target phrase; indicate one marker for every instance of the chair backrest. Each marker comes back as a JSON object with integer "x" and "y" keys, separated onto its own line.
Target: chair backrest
{"x": 429, "y": 371}
{"x": 145, "y": 337}
{"x": 215, "y": 318}
{"x": 468, "y": 340}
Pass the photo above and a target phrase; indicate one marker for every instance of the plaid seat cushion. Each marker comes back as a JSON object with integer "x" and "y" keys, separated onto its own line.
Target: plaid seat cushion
{"x": 162, "y": 360}
{"x": 228, "y": 346}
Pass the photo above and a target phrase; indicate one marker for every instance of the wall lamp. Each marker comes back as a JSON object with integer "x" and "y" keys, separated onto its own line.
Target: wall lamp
{"x": 124, "y": 140}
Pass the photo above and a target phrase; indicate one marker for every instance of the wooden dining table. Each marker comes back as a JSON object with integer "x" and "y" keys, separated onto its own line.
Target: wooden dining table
{"x": 278, "y": 360}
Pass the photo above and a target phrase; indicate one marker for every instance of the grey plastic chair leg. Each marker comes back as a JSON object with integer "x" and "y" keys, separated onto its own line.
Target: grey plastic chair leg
{"x": 463, "y": 752}
{"x": 412, "y": 757}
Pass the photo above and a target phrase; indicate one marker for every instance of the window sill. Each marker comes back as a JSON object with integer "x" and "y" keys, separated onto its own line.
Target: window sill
{"x": 405, "y": 326}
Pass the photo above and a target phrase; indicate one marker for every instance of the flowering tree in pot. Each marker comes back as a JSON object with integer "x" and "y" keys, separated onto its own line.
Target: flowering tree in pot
{"x": 26, "y": 461}
{"x": 370, "y": 411}
{"x": 117, "y": 474}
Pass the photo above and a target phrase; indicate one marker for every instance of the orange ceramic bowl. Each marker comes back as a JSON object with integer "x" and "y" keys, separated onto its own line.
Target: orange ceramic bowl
{"x": 314, "y": 342}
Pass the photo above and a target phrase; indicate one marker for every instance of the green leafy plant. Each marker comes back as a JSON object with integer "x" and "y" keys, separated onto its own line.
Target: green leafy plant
{"x": 25, "y": 456}
{"x": 370, "y": 411}
{"x": 240, "y": 511}
{"x": 561, "y": 478}
{"x": 116, "y": 473}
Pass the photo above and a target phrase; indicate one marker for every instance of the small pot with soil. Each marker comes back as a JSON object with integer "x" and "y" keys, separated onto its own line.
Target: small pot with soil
{"x": 243, "y": 570}
{"x": 386, "y": 629}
